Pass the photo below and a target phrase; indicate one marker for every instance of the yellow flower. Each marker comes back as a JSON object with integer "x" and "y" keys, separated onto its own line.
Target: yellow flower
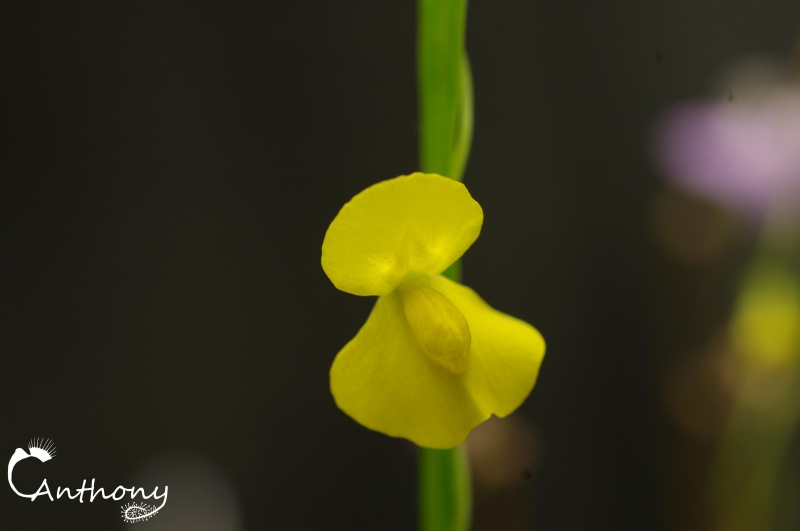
{"x": 433, "y": 360}
{"x": 766, "y": 326}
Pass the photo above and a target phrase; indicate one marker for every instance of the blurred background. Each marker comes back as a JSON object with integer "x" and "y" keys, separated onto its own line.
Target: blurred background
{"x": 169, "y": 171}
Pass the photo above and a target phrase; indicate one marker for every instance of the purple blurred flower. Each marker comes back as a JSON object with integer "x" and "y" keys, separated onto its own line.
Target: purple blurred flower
{"x": 745, "y": 155}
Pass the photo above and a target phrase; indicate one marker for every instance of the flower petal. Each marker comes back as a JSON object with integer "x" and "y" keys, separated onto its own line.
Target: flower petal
{"x": 440, "y": 330}
{"x": 384, "y": 381}
{"x": 411, "y": 225}
{"x": 505, "y": 354}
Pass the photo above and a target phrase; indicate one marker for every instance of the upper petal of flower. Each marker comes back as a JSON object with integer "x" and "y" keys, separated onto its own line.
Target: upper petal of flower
{"x": 411, "y": 225}
{"x": 385, "y": 380}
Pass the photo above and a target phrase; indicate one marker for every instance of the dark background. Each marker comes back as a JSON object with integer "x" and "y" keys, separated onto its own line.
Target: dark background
{"x": 169, "y": 170}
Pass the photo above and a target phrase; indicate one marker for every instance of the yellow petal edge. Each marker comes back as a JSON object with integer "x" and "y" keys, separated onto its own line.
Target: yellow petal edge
{"x": 411, "y": 225}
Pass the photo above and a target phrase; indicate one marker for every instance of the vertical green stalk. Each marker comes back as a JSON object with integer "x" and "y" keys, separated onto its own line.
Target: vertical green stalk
{"x": 445, "y": 103}
{"x": 752, "y": 460}
{"x": 444, "y": 87}
{"x": 445, "y": 490}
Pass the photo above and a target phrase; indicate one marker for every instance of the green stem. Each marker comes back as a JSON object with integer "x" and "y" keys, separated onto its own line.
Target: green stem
{"x": 752, "y": 459}
{"x": 464, "y": 119}
{"x": 445, "y": 94}
{"x": 445, "y": 490}
{"x": 445, "y": 101}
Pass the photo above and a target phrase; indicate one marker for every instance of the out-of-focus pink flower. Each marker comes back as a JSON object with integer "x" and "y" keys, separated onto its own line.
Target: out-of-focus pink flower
{"x": 744, "y": 153}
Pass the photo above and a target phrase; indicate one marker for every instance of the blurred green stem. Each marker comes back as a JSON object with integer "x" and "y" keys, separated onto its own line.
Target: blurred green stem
{"x": 445, "y": 101}
{"x": 752, "y": 459}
